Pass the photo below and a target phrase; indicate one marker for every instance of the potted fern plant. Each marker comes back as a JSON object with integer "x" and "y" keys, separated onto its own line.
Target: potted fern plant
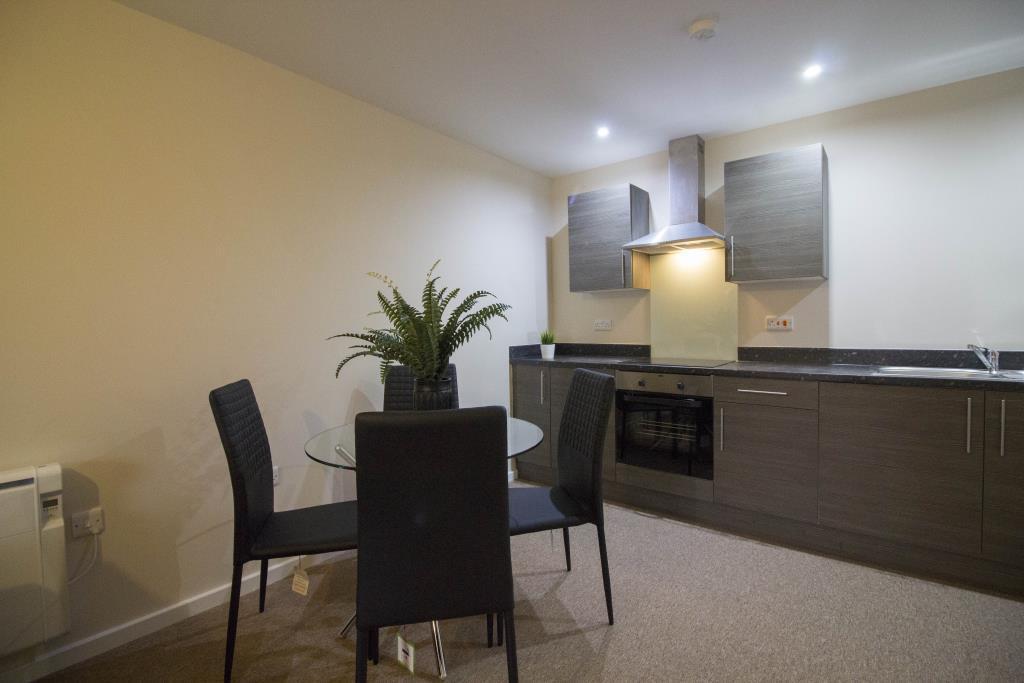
{"x": 423, "y": 339}
{"x": 547, "y": 345}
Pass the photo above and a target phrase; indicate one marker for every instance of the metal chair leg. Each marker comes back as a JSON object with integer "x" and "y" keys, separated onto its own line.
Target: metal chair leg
{"x": 501, "y": 629}
{"x": 263, "y": 583}
{"x": 441, "y": 670}
{"x": 604, "y": 572}
{"x": 348, "y": 625}
{"x": 490, "y": 630}
{"x": 510, "y": 646}
{"x": 236, "y": 589}
{"x": 568, "y": 555}
{"x": 362, "y": 653}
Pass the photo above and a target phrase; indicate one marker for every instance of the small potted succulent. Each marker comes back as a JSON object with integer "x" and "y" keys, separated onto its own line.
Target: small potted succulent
{"x": 547, "y": 345}
{"x": 423, "y": 339}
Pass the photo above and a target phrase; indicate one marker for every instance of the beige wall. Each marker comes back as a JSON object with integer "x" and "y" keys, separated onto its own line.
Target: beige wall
{"x": 925, "y": 226}
{"x": 175, "y": 215}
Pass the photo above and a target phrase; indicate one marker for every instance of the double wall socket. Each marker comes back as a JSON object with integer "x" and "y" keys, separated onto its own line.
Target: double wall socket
{"x": 778, "y": 323}
{"x": 88, "y": 523}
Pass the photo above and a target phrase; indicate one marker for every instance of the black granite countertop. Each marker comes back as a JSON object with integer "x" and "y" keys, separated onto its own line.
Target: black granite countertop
{"x": 627, "y": 359}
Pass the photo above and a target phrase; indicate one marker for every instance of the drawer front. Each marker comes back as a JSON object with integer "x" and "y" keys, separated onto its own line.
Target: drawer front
{"x": 785, "y": 393}
{"x": 664, "y": 383}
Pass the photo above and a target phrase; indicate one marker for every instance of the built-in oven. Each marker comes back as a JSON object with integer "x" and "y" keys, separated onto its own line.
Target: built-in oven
{"x": 664, "y": 425}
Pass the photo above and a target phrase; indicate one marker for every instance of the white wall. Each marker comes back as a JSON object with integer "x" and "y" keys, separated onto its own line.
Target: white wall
{"x": 926, "y": 228}
{"x": 176, "y": 215}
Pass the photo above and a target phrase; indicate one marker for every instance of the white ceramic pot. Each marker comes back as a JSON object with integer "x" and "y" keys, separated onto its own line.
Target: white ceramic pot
{"x": 547, "y": 351}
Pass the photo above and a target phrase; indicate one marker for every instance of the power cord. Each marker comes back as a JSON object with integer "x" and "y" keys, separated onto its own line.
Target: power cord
{"x": 92, "y": 562}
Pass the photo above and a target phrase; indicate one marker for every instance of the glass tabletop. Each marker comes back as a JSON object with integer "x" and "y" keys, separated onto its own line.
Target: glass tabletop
{"x": 336, "y": 447}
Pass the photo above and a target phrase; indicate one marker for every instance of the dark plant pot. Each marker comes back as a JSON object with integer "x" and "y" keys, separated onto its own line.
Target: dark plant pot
{"x": 433, "y": 394}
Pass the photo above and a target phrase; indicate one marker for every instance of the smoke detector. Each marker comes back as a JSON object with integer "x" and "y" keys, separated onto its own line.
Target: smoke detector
{"x": 703, "y": 29}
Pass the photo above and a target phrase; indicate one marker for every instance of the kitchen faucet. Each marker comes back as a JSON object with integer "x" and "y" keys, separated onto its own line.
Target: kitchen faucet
{"x": 989, "y": 357}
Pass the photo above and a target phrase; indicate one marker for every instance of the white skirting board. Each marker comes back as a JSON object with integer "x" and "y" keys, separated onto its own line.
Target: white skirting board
{"x": 98, "y": 643}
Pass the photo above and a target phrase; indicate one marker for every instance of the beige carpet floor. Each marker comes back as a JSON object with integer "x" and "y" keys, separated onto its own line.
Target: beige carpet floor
{"x": 691, "y": 604}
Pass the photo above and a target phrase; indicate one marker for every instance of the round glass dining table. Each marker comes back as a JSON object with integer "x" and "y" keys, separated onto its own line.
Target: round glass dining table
{"x": 336, "y": 447}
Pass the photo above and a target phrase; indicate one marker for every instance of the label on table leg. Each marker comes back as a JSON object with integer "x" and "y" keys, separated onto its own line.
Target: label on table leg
{"x": 406, "y": 654}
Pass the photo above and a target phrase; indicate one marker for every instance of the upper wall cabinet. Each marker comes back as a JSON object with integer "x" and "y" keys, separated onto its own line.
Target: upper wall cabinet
{"x": 600, "y": 222}
{"x": 776, "y": 216}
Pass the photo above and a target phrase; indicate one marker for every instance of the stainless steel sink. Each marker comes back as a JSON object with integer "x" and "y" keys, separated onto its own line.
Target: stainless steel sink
{"x": 949, "y": 373}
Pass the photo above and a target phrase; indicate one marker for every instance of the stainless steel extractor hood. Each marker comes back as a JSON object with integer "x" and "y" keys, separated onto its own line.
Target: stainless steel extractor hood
{"x": 686, "y": 228}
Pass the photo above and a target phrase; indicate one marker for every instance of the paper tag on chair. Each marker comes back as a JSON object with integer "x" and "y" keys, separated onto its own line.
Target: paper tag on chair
{"x": 406, "y": 654}
{"x": 300, "y": 581}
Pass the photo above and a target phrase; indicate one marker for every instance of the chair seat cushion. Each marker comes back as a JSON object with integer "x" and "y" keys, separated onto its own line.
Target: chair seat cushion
{"x": 541, "y": 508}
{"x": 307, "y": 531}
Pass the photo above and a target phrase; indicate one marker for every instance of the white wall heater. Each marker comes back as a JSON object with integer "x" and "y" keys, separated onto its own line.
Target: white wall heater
{"x": 33, "y": 568}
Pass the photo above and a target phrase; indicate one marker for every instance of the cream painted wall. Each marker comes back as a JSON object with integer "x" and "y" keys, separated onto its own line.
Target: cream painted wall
{"x": 175, "y": 215}
{"x": 925, "y": 225}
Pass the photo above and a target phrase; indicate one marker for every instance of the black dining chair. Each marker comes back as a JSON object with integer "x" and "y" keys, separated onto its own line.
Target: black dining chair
{"x": 400, "y": 388}
{"x": 260, "y": 532}
{"x": 576, "y": 498}
{"x": 428, "y": 549}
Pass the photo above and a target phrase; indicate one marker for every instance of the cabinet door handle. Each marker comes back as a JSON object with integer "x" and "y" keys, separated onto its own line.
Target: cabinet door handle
{"x": 1002, "y": 427}
{"x": 721, "y": 430}
{"x": 542, "y": 387}
{"x": 622, "y": 268}
{"x": 969, "y": 425}
{"x": 732, "y": 256}
{"x": 762, "y": 391}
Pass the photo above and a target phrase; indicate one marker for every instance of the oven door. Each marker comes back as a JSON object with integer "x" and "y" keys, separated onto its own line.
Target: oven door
{"x": 672, "y": 434}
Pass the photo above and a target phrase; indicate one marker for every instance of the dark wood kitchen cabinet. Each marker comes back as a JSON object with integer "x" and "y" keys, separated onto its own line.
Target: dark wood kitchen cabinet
{"x": 1003, "y": 536}
{"x": 600, "y": 222}
{"x": 766, "y": 456}
{"x": 903, "y": 463}
{"x": 560, "y": 381}
{"x": 531, "y": 401}
{"x": 776, "y": 216}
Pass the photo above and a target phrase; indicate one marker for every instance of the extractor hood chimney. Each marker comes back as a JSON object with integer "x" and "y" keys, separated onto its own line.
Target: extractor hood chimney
{"x": 686, "y": 229}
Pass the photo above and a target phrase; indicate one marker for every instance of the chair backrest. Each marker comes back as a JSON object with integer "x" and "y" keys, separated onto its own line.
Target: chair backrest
{"x": 399, "y": 389}
{"x": 247, "y": 448}
{"x": 433, "y": 515}
{"x": 581, "y": 437}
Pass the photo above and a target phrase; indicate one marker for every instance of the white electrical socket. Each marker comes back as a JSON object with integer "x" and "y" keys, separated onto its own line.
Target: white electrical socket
{"x": 277, "y": 475}
{"x": 88, "y": 523}
{"x": 778, "y": 323}
{"x": 603, "y": 325}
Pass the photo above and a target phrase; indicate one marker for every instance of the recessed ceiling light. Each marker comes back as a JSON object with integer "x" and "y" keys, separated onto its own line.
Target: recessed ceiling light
{"x": 603, "y": 132}
{"x": 813, "y": 71}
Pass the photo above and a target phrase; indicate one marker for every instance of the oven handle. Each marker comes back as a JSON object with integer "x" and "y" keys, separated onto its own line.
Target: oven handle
{"x": 661, "y": 400}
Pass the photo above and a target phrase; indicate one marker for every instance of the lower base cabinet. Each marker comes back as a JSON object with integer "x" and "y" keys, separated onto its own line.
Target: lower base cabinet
{"x": 531, "y": 401}
{"x": 927, "y": 480}
{"x": 1003, "y": 535}
{"x": 538, "y": 395}
{"x": 903, "y": 464}
{"x": 766, "y": 459}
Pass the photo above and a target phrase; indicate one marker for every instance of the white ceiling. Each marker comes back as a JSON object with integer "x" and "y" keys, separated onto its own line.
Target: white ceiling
{"x": 530, "y": 80}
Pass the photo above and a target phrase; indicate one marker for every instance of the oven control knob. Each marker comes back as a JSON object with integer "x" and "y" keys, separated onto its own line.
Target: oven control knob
{"x": 641, "y": 383}
{"x": 679, "y": 386}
